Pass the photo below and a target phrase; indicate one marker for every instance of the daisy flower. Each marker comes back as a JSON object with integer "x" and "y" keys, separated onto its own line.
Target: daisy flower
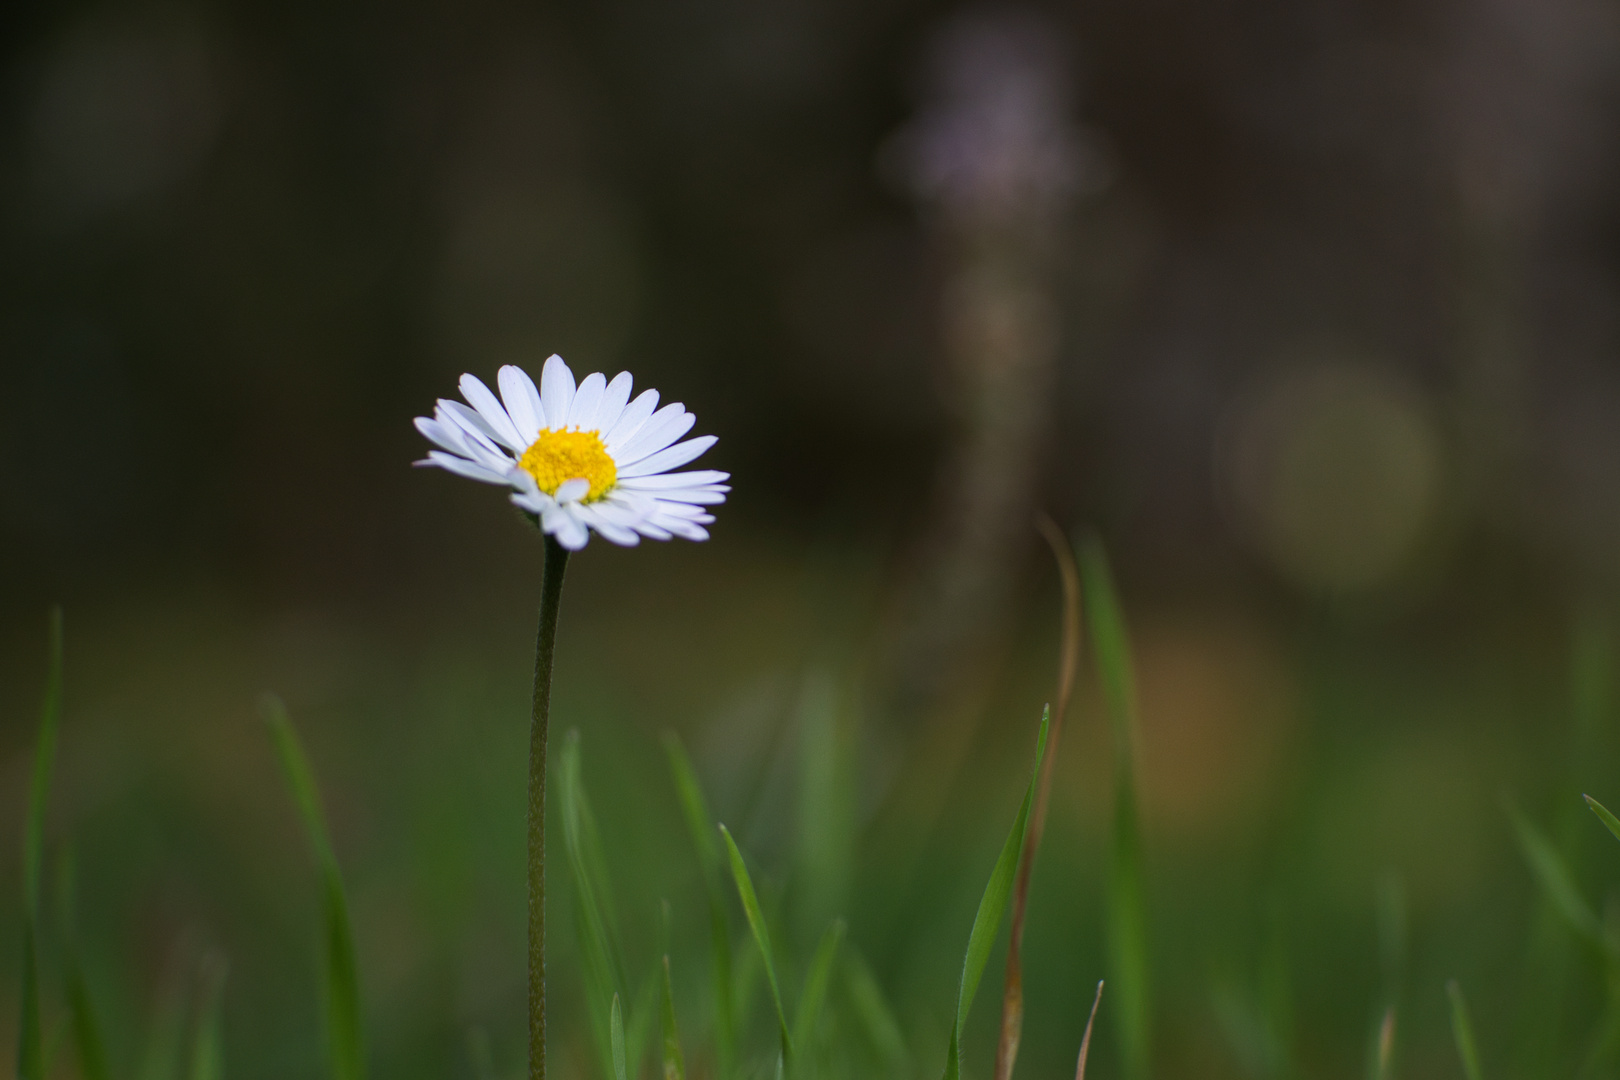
{"x": 579, "y": 458}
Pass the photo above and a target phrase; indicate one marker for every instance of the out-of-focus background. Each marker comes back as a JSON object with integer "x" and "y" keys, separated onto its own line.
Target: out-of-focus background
{"x": 1309, "y": 309}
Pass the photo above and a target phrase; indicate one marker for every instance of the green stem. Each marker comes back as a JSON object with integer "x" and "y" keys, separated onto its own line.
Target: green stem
{"x": 544, "y": 646}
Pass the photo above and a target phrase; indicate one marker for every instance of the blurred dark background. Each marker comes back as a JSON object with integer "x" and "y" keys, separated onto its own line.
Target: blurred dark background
{"x": 1310, "y": 309}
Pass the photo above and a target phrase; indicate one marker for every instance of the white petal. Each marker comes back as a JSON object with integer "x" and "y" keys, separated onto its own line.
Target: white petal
{"x": 676, "y": 479}
{"x": 619, "y": 534}
{"x": 462, "y": 467}
{"x": 706, "y": 496}
{"x": 447, "y": 436}
{"x": 672, "y": 458}
{"x": 556, "y": 392}
{"x": 655, "y": 532}
{"x": 475, "y": 443}
{"x": 582, "y": 414}
{"x": 522, "y": 401}
{"x": 494, "y": 414}
{"x": 666, "y": 425}
{"x": 617, "y": 513}
{"x": 613, "y": 399}
{"x": 569, "y": 530}
{"x": 688, "y": 529}
{"x": 469, "y": 421}
{"x": 535, "y": 502}
{"x": 638, "y": 503}
{"x": 635, "y": 414}
{"x": 683, "y": 511}
{"x": 572, "y": 490}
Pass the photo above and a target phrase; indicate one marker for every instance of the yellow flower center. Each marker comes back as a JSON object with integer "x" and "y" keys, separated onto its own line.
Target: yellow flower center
{"x": 559, "y": 456}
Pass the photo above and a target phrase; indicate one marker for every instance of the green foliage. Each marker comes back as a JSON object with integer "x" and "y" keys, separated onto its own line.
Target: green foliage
{"x": 86, "y": 1032}
{"x": 1127, "y": 904}
{"x": 207, "y": 1041}
{"x": 1608, "y": 819}
{"x": 341, "y": 988}
{"x": 604, "y": 969}
{"x": 992, "y": 906}
{"x": 30, "y": 1043}
{"x": 762, "y": 938}
{"x": 616, "y": 1026}
{"x": 1462, "y": 1030}
{"x": 1558, "y": 884}
{"x": 874, "y": 1014}
{"x": 674, "y": 1062}
{"x": 814, "y": 995}
{"x": 700, "y": 825}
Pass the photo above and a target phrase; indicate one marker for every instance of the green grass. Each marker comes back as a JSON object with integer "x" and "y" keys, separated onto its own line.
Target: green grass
{"x": 774, "y": 959}
{"x": 1127, "y": 903}
{"x": 346, "y": 1053}
{"x": 992, "y": 906}
{"x": 30, "y": 1036}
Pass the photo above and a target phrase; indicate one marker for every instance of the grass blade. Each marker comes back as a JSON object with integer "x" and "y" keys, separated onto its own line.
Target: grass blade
{"x": 1383, "y": 1047}
{"x": 824, "y": 862}
{"x": 345, "y": 1041}
{"x": 616, "y": 1026}
{"x": 815, "y": 985}
{"x": 1127, "y": 922}
{"x": 86, "y": 1033}
{"x": 700, "y": 825}
{"x": 1462, "y": 1030}
{"x": 480, "y": 1056}
{"x": 762, "y": 937}
{"x": 992, "y": 905}
{"x": 1609, "y": 820}
{"x": 644, "y": 1016}
{"x": 604, "y": 975}
{"x": 30, "y": 1040}
{"x": 1085, "y": 1040}
{"x": 674, "y": 1062}
{"x": 165, "y": 1035}
{"x": 1557, "y": 883}
{"x": 871, "y": 1008}
{"x": 207, "y": 1043}
{"x": 1012, "y": 992}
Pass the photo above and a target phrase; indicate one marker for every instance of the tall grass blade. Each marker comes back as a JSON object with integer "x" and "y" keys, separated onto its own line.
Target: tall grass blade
{"x": 874, "y": 1013}
{"x": 208, "y": 1042}
{"x": 816, "y": 982}
{"x": 604, "y": 974}
{"x": 30, "y": 1040}
{"x": 762, "y": 937}
{"x": 1127, "y": 914}
{"x": 1558, "y": 884}
{"x": 700, "y": 825}
{"x": 85, "y": 1031}
{"x": 480, "y": 1055}
{"x": 1383, "y": 1048}
{"x": 345, "y": 1040}
{"x": 992, "y": 905}
{"x": 674, "y": 1062}
{"x": 1610, "y": 822}
{"x": 165, "y": 1033}
{"x": 620, "y": 1070}
{"x": 1085, "y": 1040}
{"x": 825, "y": 815}
{"x": 1462, "y": 1030}
{"x": 644, "y": 1016}
{"x": 1012, "y": 992}
{"x": 1548, "y": 986}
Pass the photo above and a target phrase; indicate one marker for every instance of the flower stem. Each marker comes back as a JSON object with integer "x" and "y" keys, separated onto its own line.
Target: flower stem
{"x": 544, "y": 646}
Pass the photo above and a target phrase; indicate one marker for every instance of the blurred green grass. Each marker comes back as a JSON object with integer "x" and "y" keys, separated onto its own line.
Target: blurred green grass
{"x": 1278, "y": 793}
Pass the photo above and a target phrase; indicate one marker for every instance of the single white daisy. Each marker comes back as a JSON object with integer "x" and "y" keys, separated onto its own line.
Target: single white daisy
{"x": 580, "y": 458}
